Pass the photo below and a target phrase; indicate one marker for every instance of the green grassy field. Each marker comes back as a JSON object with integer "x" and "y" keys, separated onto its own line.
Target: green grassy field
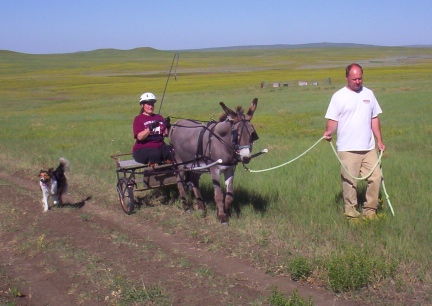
{"x": 81, "y": 106}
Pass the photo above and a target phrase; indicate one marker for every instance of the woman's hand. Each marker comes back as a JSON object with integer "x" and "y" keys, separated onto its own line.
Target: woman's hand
{"x": 154, "y": 125}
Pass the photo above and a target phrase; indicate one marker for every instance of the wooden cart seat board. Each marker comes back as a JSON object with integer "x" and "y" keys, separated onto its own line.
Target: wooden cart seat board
{"x": 130, "y": 163}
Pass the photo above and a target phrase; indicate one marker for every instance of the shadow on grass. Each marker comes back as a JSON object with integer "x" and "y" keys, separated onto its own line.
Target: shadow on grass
{"x": 159, "y": 196}
{"x": 169, "y": 196}
{"x": 242, "y": 198}
{"x": 77, "y": 205}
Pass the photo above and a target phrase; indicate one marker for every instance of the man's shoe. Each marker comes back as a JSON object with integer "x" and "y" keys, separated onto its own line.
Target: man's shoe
{"x": 371, "y": 216}
{"x": 352, "y": 213}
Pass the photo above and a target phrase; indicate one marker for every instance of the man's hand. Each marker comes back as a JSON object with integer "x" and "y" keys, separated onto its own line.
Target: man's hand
{"x": 327, "y": 135}
{"x": 381, "y": 146}
{"x": 331, "y": 127}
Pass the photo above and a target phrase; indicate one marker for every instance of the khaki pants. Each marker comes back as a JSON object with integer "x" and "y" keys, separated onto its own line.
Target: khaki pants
{"x": 359, "y": 164}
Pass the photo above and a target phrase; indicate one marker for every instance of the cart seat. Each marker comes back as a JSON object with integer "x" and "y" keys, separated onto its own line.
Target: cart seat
{"x": 130, "y": 163}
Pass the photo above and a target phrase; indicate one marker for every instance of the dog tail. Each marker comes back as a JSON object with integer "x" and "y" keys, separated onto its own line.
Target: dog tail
{"x": 64, "y": 164}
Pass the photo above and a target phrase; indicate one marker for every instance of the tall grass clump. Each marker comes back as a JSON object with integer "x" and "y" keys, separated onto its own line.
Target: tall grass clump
{"x": 354, "y": 268}
{"x": 299, "y": 268}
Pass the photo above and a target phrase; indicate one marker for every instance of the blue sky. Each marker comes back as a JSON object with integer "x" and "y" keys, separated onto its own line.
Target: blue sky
{"x": 56, "y": 26}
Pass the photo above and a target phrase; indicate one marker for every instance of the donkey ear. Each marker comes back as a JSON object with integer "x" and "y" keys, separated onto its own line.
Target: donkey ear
{"x": 227, "y": 110}
{"x": 224, "y": 107}
{"x": 252, "y": 109}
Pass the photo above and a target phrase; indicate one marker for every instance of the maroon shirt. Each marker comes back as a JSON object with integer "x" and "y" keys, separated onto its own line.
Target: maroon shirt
{"x": 155, "y": 138}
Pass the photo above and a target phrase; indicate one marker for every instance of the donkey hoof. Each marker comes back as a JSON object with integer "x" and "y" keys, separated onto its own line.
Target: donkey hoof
{"x": 223, "y": 219}
{"x": 200, "y": 206}
{"x": 186, "y": 206}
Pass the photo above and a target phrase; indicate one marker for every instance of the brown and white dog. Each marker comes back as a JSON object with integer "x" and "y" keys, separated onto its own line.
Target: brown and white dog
{"x": 53, "y": 183}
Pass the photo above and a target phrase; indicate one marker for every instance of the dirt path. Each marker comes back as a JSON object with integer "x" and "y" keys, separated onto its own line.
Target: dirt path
{"x": 93, "y": 255}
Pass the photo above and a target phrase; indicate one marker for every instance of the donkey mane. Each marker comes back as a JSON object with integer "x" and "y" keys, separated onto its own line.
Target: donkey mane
{"x": 224, "y": 116}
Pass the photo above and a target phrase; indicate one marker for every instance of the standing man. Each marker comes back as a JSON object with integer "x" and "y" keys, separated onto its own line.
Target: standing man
{"x": 353, "y": 113}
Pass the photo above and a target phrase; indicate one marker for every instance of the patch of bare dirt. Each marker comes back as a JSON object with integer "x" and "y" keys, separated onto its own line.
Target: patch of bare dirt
{"x": 84, "y": 254}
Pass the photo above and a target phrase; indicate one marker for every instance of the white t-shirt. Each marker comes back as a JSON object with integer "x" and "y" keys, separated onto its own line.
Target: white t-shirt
{"x": 354, "y": 112}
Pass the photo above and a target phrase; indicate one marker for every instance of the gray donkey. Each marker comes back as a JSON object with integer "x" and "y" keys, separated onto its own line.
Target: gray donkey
{"x": 196, "y": 145}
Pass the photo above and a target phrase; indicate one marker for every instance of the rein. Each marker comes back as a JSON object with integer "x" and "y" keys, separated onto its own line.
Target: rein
{"x": 234, "y": 132}
{"x": 203, "y": 150}
{"x": 200, "y": 153}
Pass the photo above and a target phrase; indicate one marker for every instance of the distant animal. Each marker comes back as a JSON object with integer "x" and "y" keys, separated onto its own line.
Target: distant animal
{"x": 196, "y": 144}
{"x": 53, "y": 183}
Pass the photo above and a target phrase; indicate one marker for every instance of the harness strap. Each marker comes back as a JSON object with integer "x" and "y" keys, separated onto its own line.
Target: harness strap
{"x": 200, "y": 152}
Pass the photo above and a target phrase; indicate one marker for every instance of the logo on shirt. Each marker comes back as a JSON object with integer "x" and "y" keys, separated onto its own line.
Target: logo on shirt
{"x": 366, "y": 101}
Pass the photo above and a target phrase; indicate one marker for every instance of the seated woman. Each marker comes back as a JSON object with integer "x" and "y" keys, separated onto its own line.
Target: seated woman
{"x": 149, "y": 130}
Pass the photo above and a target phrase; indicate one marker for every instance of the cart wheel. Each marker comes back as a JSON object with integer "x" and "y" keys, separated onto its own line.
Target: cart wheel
{"x": 125, "y": 192}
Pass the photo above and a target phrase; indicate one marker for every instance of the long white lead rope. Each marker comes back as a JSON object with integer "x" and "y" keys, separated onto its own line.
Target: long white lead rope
{"x": 369, "y": 174}
{"x": 284, "y": 164}
{"x": 346, "y": 170}
{"x": 349, "y": 174}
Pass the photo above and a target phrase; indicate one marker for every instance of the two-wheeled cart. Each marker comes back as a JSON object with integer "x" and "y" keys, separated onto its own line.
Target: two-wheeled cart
{"x": 135, "y": 177}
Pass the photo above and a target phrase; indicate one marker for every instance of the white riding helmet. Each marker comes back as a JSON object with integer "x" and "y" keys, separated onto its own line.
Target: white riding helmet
{"x": 147, "y": 97}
